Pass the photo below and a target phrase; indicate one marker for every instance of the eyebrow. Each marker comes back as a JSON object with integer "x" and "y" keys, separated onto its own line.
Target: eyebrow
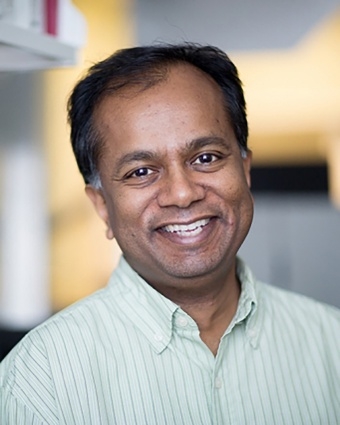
{"x": 148, "y": 155}
{"x": 202, "y": 142}
{"x": 135, "y": 156}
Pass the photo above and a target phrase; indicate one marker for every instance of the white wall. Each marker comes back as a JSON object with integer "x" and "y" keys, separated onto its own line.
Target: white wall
{"x": 230, "y": 24}
{"x": 24, "y": 229}
{"x": 294, "y": 243}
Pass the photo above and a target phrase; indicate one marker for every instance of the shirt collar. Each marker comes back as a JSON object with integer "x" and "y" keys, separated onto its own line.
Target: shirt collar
{"x": 154, "y": 314}
{"x": 146, "y": 308}
{"x": 248, "y": 310}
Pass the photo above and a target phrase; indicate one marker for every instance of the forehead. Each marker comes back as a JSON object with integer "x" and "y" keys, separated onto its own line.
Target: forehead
{"x": 187, "y": 103}
{"x": 177, "y": 81}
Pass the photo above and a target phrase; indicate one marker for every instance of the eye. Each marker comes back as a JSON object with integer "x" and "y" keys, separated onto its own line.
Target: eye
{"x": 206, "y": 158}
{"x": 140, "y": 172}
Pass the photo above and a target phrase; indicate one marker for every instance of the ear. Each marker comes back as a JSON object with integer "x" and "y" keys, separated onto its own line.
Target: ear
{"x": 247, "y": 166}
{"x": 97, "y": 198}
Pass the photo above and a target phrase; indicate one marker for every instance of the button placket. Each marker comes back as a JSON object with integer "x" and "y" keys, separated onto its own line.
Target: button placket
{"x": 218, "y": 382}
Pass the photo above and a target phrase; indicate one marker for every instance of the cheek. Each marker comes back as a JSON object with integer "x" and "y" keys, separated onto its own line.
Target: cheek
{"x": 247, "y": 209}
{"x": 127, "y": 213}
{"x": 238, "y": 197}
{"x": 235, "y": 190}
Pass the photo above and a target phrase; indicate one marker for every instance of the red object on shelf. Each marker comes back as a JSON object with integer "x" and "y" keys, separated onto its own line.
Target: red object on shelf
{"x": 51, "y": 16}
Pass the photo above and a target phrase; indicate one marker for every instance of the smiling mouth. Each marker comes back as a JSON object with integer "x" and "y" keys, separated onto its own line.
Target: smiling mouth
{"x": 187, "y": 230}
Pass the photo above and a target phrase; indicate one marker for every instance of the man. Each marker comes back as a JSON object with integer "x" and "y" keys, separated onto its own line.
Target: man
{"x": 183, "y": 333}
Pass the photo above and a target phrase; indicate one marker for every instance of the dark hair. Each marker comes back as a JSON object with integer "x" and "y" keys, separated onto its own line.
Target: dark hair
{"x": 145, "y": 67}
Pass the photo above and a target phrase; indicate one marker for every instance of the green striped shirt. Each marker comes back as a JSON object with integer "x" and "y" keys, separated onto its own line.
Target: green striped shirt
{"x": 127, "y": 355}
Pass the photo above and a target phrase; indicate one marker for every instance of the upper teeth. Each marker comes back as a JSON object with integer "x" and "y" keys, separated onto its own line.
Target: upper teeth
{"x": 186, "y": 227}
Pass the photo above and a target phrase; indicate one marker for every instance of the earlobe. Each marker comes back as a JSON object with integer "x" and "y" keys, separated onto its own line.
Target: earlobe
{"x": 247, "y": 166}
{"x": 109, "y": 233}
{"x": 97, "y": 198}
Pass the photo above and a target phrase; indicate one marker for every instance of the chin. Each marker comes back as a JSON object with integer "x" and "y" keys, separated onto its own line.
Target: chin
{"x": 192, "y": 268}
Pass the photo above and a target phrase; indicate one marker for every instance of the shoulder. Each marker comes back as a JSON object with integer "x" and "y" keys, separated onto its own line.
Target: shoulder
{"x": 297, "y": 305}
{"x": 26, "y": 388}
{"x": 281, "y": 305}
{"x": 301, "y": 320}
{"x": 62, "y": 334}
{"x": 31, "y": 371}
{"x": 77, "y": 319}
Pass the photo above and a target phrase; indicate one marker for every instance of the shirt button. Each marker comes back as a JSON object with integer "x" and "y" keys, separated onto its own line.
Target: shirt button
{"x": 252, "y": 333}
{"x": 158, "y": 337}
{"x": 182, "y": 321}
{"x": 218, "y": 383}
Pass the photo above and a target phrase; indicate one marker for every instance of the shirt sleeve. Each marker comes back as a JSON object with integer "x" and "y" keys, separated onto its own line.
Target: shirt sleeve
{"x": 14, "y": 412}
{"x": 27, "y": 395}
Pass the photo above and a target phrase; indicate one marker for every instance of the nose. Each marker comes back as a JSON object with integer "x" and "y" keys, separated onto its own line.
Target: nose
{"x": 179, "y": 188}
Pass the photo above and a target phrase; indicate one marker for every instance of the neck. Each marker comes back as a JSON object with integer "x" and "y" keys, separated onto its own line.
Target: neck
{"x": 212, "y": 305}
{"x": 213, "y": 315}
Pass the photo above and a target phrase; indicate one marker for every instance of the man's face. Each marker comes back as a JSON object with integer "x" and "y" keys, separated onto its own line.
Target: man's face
{"x": 175, "y": 189}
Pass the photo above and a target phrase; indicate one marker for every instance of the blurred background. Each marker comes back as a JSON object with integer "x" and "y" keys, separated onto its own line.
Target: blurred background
{"x": 53, "y": 248}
